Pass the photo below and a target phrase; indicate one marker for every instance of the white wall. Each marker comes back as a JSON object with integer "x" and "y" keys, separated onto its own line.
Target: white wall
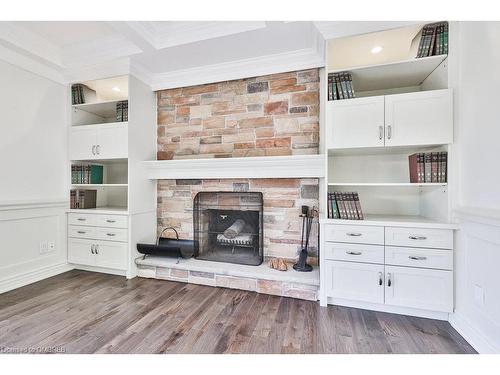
{"x": 33, "y": 176}
{"x": 477, "y": 203}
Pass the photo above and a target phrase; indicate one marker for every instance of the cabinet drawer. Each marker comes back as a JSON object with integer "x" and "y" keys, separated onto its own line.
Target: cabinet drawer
{"x": 79, "y": 231}
{"x": 418, "y": 257}
{"x": 354, "y": 252}
{"x": 81, "y": 219}
{"x": 419, "y": 237}
{"x": 112, "y": 221}
{"x": 354, "y": 234}
{"x": 112, "y": 234}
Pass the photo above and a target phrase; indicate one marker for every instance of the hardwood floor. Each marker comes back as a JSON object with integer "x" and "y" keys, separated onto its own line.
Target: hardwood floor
{"x": 85, "y": 312}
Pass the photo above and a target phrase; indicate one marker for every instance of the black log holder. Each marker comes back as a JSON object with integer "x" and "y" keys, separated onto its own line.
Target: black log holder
{"x": 174, "y": 248}
{"x": 307, "y": 220}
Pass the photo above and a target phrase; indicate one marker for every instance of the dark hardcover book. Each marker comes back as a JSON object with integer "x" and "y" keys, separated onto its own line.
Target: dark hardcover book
{"x": 433, "y": 41}
{"x": 422, "y": 42}
{"x": 330, "y": 87}
{"x": 445, "y": 38}
{"x": 427, "y": 167}
{"x": 338, "y": 87}
{"x": 335, "y": 208}
{"x": 350, "y": 206}
{"x": 358, "y": 206}
{"x": 353, "y": 95}
{"x": 413, "y": 167}
{"x": 434, "y": 166}
{"x": 125, "y": 111}
{"x": 444, "y": 166}
{"x": 119, "y": 111}
{"x": 340, "y": 204}
{"x": 353, "y": 206}
{"x": 86, "y": 198}
{"x": 343, "y": 84}
{"x": 329, "y": 205}
{"x": 421, "y": 167}
{"x": 334, "y": 89}
{"x": 96, "y": 174}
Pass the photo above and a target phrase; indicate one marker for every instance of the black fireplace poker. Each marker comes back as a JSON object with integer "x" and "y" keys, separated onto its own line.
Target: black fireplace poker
{"x": 307, "y": 216}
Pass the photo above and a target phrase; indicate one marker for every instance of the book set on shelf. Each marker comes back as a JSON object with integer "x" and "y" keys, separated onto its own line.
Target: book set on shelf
{"x": 122, "y": 111}
{"x": 434, "y": 40}
{"x": 81, "y": 94}
{"x": 344, "y": 205}
{"x": 428, "y": 167}
{"x": 87, "y": 174}
{"x": 80, "y": 198}
{"x": 340, "y": 86}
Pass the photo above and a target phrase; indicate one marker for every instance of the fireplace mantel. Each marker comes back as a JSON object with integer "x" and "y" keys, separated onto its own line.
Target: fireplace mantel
{"x": 296, "y": 166}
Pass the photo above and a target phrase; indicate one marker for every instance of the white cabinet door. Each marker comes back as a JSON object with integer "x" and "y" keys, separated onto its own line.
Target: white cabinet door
{"x": 355, "y": 281}
{"x": 80, "y": 251}
{"x": 82, "y": 143}
{"x": 355, "y": 123}
{"x": 112, "y": 141}
{"x": 419, "y": 118}
{"x": 419, "y": 288}
{"x": 111, "y": 255}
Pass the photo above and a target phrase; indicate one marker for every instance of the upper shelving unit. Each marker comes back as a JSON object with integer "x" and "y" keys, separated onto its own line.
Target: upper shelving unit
{"x": 106, "y": 109}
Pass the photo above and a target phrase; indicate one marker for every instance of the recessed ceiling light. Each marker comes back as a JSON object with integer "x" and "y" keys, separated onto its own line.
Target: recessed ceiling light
{"x": 376, "y": 49}
{"x": 117, "y": 89}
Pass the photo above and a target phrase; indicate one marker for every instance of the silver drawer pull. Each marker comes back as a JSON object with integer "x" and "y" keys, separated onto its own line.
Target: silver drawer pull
{"x": 81, "y": 219}
{"x": 110, "y": 221}
{"x": 354, "y": 234}
{"x": 353, "y": 252}
{"x": 81, "y": 232}
{"x": 110, "y": 234}
{"x": 413, "y": 257}
{"x": 417, "y": 237}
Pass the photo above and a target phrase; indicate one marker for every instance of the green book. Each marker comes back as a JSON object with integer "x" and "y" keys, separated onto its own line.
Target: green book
{"x": 96, "y": 173}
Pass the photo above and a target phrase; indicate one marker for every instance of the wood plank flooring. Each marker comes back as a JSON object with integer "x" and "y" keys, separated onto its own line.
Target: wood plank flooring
{"x": 85, "y": 312}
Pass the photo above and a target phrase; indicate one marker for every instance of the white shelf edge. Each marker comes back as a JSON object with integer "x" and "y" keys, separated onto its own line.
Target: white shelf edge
{"x": 394, "y": 221}
{"x": 439, "y": 58}
{"x": 100, "y": 210}
{"x": 115, "y": 123}
{"x": 104, "y": 102}
{"x": 388, "y": 184}
{"x": 99, "y": 185}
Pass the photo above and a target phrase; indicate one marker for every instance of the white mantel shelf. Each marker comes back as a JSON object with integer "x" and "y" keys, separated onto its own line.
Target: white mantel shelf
{"x": 296, "y": 166}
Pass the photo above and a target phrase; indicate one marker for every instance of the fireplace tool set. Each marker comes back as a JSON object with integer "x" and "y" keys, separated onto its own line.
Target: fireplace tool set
{"x": 307, "y": 220}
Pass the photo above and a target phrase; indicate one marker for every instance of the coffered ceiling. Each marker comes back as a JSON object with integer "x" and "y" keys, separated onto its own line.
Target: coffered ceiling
{"x": 168, "y": 53}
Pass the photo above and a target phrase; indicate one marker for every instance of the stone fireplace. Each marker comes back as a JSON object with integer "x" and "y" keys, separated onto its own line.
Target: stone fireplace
{"x": 228, "y": 227}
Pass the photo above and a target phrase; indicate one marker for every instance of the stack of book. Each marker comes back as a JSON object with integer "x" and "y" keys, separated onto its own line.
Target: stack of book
{"x": 82, "y": 199}
{"x": 428, "y": 167}
{"x": 342, "y": 205}
{"x": 434, "y": 40}
{"x": 122, "y": 111}
{"x": 86, "y": 174}
{"x": 81, "y": 94}
{"x": 340, "y": 86}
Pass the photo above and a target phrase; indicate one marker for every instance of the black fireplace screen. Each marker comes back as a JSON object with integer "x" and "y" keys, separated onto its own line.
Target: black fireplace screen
{"x": 228, "y": 227}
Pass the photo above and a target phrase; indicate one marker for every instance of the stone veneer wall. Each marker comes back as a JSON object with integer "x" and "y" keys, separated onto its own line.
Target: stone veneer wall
{"x": 271, "y": 115}
{"x": 264, "y": 116}
{"x": 283, "y": 198}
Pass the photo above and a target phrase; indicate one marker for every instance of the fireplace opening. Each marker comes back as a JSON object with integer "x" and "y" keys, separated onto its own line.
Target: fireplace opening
{"x": 228, "y": 227}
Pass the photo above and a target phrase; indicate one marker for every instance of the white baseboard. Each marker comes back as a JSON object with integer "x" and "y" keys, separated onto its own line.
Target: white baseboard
{"x": 32, "y": 277}
{"x": 473, "y": 336}
{"x": 110, "y": 271}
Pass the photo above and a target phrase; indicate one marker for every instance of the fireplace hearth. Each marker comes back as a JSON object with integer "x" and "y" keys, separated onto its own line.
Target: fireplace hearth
{"x": 228, "y": 227}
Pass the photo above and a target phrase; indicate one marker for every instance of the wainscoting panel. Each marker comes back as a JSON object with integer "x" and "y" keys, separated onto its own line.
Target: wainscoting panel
{"x": 27, "y": 233}
{"x": 477, "y": 310}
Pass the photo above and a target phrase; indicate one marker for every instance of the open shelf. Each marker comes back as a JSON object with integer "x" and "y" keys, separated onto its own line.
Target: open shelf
{"x": 394, "y": 221}
{"x": 102, "y": 210}
{"x": 106, "y": 109}
{"x": 98, "y": 185}
{"x": 406, "y": 73}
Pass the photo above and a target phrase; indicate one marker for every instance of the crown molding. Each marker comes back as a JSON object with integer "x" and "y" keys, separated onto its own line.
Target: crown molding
{"x": 113, "y": 68}
{"x": 178, "y": 33}
{"x": 252, "y": 67}
{"x": 31, "y": 65}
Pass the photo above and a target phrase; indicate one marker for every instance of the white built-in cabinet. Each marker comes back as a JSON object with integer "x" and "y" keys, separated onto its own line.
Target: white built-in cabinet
{"x": 104, "y": 141}
{"x": 409, "y": 119}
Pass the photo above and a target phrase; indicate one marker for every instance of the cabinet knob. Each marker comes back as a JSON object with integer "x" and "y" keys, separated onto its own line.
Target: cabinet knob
{"x": 81, "y": 232}
{"x": 110, "y": 234}
{"x": 98, "y": 149}
{"x": 92, "y": 249}
{"x": 380, "y": 280}
{"x": 93, "y": 149}
{"x": 380, "y": 132}
{"x": 389, "y": 132}
{"x": 417, "y": 238}
{"x": 97, "y": 249}
{"x": 110, "y": 221}
{"x": 389, "y": 282}
{"x": 81, "y": 219}
{"x": 413, "y": 257}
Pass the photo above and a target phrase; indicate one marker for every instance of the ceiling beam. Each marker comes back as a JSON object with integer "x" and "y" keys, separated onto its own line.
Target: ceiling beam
{"x": 135, "y": 34}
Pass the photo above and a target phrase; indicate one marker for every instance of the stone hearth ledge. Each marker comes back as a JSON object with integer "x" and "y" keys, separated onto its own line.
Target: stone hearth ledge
{"x": 261, "y": 279}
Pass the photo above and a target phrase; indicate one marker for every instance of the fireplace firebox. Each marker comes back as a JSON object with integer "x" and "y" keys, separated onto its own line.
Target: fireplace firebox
{"x": 228, "y": 227}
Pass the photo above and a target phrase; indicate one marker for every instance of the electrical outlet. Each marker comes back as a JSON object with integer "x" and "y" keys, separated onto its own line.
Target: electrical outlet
{"x": 479, "y": 295}
{"x": 51, "y": 246}
{"x": 43, "y": 247}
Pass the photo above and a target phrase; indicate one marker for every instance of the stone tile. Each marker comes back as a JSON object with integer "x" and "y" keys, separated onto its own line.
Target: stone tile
{"x": 146, "y": 271}
{"x": 305, "y": 98}
{"x": 242, "y": 283}
{"x": 269, "y": 287}
{"x": 255, "y": 122}
{"x": 301, "y": 109}
{"x": 212, "y": 139}
{"x": 308, "y": 76}
{"x": 240, "y": 186}
{"x": 276, "y": 108}
{"x": 162, "y": 273}
{"x": 178, "y": 274}
{"x": 309, "y": 191}
{"x": 201, "y": 274}
{"x": 257, "y": 87}
{"x": 188, "y": 182}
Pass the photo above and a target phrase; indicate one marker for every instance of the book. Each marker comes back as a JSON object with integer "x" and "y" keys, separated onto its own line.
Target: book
{"x": 358, "y": 206}
{"x": 434, "y": 166}
{"x": 119, "y": 111}
{"x": 428, "y": 167}
{"x": 340, "y": 87}
{"x": 444, "y": 166}
{"x": 421, "y": 167}
{"x": 330, "y": 87}
{"x": 413, "y": 162}
{"x": 433, "y": 40}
